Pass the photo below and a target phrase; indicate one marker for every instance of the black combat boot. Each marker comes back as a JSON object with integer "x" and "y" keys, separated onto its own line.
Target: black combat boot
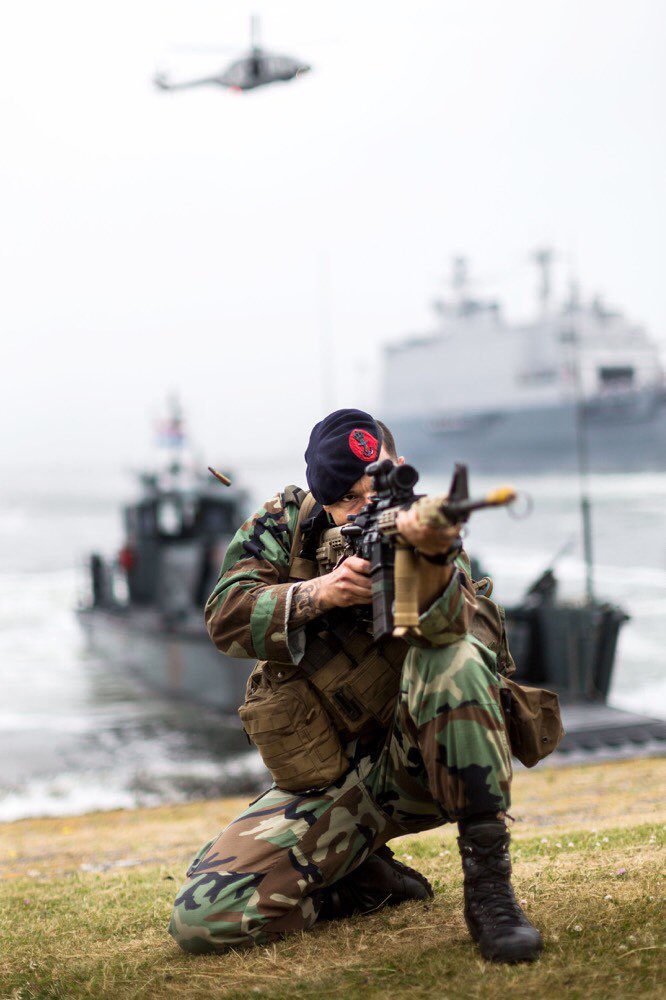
{"x": 493, "y": 917}
{"x": 379, "y": 881}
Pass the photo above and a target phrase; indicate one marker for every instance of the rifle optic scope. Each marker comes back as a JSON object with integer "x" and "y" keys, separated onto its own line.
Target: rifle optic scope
{"x": 390, "y": 478}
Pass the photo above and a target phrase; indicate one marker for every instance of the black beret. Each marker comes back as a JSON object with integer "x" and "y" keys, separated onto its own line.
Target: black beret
{"x": 341, "y": 447}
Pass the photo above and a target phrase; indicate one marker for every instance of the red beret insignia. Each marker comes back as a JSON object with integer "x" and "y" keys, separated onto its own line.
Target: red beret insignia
{"x": 363, "y": 445}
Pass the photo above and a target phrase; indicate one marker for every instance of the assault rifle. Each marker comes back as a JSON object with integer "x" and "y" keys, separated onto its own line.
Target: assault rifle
{"x": 372, "y": 534}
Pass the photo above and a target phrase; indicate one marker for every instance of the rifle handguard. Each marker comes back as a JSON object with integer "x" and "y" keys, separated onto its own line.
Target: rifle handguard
{"x": 406, "y": 603}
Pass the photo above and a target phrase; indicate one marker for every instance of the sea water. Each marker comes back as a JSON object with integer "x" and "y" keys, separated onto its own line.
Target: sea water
{"x": 77, "y": 734}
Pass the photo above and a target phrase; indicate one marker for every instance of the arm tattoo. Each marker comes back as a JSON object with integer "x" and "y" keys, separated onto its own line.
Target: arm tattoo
{"x": 305, "y": 604}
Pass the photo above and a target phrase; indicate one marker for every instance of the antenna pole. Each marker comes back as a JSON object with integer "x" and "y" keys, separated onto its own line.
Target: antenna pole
{"x": 543, "y": 259}
{"x": 582, "y": 454}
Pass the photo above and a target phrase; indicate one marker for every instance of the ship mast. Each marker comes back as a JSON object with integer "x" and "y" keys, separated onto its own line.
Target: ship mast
{"x": 543, "y": 258}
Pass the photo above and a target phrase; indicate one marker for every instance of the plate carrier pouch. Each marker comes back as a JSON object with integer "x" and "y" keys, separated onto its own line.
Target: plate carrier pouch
{"x": 284, "y": 718}
{"x": 345, "y": 686}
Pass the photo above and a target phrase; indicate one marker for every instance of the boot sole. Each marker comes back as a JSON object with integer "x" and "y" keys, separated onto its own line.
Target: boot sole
{"x": 518, "y": 956}
{"x": 524, "y": 954}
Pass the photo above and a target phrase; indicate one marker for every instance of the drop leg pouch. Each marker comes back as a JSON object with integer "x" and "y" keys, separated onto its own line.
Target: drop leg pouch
{"x": 533, "y": 721}
{"x": 284, "y": 718}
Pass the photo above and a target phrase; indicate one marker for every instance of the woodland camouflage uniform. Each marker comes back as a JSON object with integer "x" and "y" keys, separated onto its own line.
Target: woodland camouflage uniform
{"x": 444, "y": 757}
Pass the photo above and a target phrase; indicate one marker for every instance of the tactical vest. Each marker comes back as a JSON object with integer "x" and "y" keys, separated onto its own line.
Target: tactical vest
{"x": 300, "y": 716}
{"x": 346, "y": 685}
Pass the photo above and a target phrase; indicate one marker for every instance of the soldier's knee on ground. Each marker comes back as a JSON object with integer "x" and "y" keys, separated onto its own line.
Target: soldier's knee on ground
{"x": 214, "y": 911}
{"x": 205, "y": 918}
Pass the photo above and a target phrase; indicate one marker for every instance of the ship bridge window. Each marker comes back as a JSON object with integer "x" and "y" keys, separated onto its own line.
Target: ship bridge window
{"x": 612, "y": 376}
{"x": 218, "y": 519}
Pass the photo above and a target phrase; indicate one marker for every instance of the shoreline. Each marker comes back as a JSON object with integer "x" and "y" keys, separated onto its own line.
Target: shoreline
{"x": 617, "y": 793}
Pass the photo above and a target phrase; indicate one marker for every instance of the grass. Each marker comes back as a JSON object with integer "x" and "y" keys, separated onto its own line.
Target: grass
{"x": 85, "y": 901}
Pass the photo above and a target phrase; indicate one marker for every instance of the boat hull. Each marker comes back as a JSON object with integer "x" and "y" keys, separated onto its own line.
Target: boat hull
{"x": 592, "y": 728}
{"x": 176, "y": 662}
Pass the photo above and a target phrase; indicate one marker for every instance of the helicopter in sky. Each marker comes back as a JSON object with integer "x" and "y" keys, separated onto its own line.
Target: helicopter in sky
{"x": 256, "y": 69}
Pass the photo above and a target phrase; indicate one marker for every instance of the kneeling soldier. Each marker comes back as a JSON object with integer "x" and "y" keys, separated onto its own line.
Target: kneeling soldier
{"x": 365, "y": 741}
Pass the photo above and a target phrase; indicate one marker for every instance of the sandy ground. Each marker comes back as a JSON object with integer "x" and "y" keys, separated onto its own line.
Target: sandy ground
{"x": 585, "y": 797}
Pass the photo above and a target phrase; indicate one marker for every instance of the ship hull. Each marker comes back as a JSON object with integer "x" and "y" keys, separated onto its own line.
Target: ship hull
{"x": 177, "y": 662}
{"x": 627, "y": 436}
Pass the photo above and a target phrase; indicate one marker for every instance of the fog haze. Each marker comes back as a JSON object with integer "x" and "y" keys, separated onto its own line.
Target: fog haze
{"x": 211, "y": 244}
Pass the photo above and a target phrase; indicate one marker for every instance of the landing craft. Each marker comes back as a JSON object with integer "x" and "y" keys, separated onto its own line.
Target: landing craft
{"x": 145, "y": 606}
{"x": 256, "y": 69}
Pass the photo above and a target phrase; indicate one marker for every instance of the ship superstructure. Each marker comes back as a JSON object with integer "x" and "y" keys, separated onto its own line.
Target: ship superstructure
{"x": 503, "y": 395}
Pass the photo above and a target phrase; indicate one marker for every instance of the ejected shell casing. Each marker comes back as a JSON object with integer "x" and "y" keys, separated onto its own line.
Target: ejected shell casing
{"x": 220, "y": 475}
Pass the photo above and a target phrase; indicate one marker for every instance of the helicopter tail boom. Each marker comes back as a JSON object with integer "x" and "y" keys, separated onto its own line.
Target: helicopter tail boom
{"x": 162, "y": 82}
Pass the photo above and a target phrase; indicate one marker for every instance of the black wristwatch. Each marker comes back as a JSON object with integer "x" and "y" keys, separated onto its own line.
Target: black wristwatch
{"x": 444, "y": 558}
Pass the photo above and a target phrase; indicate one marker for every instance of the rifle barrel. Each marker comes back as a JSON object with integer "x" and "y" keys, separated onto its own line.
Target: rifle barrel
{"x": 500, "y": 497}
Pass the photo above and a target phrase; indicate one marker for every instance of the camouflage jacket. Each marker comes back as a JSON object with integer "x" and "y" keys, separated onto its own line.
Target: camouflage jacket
{"x": 247, "y": 615}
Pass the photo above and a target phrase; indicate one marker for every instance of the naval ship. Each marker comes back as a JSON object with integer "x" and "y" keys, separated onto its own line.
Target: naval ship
{"x": 506, "y": 397}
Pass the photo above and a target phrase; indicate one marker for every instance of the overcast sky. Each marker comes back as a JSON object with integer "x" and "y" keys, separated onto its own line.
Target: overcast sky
{"x": 205, "y": 242}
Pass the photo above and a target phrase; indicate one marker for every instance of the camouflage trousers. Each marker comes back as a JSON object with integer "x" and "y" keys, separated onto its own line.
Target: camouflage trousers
{"x": 446, "y": 756}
